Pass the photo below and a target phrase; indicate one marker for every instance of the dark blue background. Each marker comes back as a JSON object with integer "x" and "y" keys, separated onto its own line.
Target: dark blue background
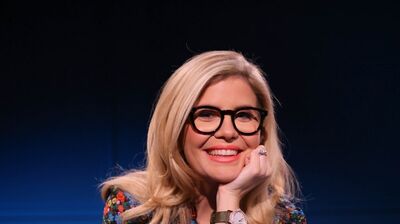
{"x": 78, "y": 81}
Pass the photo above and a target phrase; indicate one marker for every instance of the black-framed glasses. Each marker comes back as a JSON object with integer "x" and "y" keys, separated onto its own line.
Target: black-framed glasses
{"x": 208, "y": 119}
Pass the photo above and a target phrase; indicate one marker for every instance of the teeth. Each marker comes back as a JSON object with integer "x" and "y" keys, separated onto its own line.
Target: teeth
{"x": 223, "y": 152}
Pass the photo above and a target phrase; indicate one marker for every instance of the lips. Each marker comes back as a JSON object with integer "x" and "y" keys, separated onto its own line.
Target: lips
{"x": 223, "y": 153}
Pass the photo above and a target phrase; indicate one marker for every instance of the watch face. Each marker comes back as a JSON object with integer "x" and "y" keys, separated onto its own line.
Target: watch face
{"x": 237, "y": 217}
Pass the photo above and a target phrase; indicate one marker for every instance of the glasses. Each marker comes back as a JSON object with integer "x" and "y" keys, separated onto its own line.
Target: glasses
{"x": 246, "y": 120}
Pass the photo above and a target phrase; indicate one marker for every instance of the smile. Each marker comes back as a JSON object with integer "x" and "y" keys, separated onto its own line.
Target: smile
{"x": 223, "y": 152}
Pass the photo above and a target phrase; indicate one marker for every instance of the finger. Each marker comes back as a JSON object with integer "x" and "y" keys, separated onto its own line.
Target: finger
{"x": 264, "y": 162}
{"x": 247, "y": 160}
{"x": 261, "y": 150}
{"x": 255, "y": 160}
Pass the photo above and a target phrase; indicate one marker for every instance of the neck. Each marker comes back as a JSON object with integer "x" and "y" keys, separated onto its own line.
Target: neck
{"x": 206, "y": 202}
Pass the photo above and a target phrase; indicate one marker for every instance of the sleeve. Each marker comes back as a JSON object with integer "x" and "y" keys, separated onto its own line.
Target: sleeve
{"x": 116, "y": 203}
{"x": 288, "y": 213}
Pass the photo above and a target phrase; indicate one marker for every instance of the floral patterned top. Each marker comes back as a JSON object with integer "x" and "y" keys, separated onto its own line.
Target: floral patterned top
{"x": 119, "y": 201}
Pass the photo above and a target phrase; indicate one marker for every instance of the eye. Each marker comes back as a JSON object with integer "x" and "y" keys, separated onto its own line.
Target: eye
{"x": 246, "y": 115}
{"x": 206, "y": 114}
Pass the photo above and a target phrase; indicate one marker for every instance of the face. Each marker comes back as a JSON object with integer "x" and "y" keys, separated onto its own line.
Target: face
{"x": 220, "y": 157}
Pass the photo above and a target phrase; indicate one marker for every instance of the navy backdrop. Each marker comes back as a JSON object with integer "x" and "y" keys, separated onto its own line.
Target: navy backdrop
{"x": 78, "y": 81}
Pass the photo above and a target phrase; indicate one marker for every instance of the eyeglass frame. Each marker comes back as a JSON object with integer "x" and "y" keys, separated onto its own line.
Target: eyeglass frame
{"x": 263, "y": 115}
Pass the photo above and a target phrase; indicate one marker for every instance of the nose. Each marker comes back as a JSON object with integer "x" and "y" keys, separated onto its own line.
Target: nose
{"x": 227, "y": 131}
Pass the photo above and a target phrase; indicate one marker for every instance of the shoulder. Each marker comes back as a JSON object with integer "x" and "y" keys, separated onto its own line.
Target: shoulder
{"x": 117, "y": 202}
{"x": 288, "y": 212}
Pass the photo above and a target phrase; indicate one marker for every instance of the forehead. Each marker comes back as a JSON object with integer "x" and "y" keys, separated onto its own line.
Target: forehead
{"x": 228, "y": 93}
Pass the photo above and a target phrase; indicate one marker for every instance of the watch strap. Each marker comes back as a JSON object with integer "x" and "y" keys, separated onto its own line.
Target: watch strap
{"x": 220, "y": 217}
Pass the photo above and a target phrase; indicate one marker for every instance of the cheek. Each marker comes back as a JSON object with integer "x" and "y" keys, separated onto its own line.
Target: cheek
{"x": 253, "y": 141}
{"x": 192, "y": 138}
{"x": 193, "y": 141}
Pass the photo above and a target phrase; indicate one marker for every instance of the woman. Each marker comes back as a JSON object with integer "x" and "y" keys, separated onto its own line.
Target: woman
{"x": 213, "y": 154}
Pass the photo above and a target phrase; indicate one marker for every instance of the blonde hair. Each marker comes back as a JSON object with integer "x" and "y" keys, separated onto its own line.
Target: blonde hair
{"x": 165, "y": 187}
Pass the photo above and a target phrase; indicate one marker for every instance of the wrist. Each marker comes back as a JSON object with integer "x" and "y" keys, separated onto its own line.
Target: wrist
{"x": 231, "y": 217}
{"x": 227, "y": 200}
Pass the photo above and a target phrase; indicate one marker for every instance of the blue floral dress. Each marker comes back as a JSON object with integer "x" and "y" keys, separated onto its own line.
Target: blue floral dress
{"x": 119, "y": 201}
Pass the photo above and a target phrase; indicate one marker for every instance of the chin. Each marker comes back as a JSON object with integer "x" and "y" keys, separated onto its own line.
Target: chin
{"x": 225, "y": 178}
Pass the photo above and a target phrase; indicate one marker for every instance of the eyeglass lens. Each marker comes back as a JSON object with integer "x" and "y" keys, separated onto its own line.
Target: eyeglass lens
{"x": 208, "y": 120}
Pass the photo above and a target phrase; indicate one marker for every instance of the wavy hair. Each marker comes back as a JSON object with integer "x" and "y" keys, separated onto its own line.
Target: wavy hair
{"x": 165, "y": 187}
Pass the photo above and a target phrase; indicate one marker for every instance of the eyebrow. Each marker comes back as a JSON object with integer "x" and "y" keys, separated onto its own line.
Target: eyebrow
{"x": 235, "y": 108}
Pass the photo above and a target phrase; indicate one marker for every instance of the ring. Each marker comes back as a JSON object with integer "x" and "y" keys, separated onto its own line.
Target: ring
{"x": 262, "y": 152}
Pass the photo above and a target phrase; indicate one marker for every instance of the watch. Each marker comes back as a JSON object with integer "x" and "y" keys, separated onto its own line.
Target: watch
{"x": 231, "y": 217}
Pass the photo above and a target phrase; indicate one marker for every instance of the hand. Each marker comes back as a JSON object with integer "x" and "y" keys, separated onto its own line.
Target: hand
{"x": 256, "y": 170}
